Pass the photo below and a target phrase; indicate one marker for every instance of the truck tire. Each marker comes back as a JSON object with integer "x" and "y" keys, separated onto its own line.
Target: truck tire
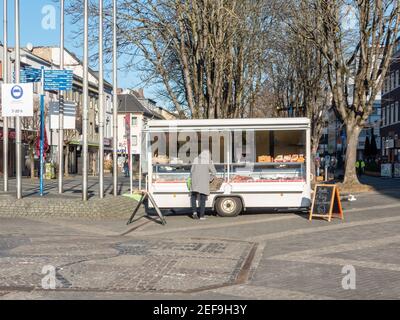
{"x": 228, "y": 206}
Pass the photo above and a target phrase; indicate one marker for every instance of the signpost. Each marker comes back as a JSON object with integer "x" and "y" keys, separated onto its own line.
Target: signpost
{"x": 326, "y": 201}
{"x": 17, "y": 100}
{"x": 61, "y": 105}
{"x": 69, "y": 117}
{"x": 5, "y": 79}
{"x": 17, "y": 66}
{"x": 42, "y": 124}
{"x": 58, "y": 80}
{"x": 29, "y": 74}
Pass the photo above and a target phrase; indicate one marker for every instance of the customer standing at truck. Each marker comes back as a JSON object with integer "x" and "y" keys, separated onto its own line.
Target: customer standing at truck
{"x": 201, "y": 174}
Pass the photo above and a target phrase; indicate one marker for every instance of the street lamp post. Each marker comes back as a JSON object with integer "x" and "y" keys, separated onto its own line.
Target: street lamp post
{"x": 5, "y": 80}
{"x": 18, "y": 147}
{"x": 115, "y": 101}
{"x": 61, "y": 107}
{"x": 85, "y": 104}
{"x": 101, "y": 103}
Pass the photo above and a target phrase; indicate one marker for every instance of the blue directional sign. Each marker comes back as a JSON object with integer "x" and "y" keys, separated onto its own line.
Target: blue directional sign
{"x": 58, "y": 80}
{"x": 29, "y": 74}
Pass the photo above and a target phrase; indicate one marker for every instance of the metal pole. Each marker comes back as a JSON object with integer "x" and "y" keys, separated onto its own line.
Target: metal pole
{"x": 101, "y": 103}
{"x": 5, "y": 80}
{"x": 61, "y": 108}
{"x": 18, "y": 146}
{"x": 129, "y": 141}
{"x": 42, "y": 124}
{"x": 85, "y": 103}
{"x": 115, "y": 101}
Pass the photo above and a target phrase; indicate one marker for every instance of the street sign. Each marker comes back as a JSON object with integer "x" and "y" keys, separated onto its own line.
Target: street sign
{"x": 29, "y": 74}
{"x": 56, "y": 80}
{"x": 69, "y": 115}
{"x": 17, "y": 99}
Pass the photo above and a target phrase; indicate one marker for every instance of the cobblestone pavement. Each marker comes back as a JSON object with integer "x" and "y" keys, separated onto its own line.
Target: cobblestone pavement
{"x": 68, "y": 204}
{"x": 253, "y": 256}
{"x": 72, "y": 186}
{"x": 97, "y": 264}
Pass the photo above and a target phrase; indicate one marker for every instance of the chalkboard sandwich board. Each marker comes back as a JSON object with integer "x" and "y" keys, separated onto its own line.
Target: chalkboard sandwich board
{"x": 326, "y": 201}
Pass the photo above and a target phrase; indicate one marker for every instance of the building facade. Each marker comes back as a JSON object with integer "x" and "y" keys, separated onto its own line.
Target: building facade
{"x": 133, "y": 113}
{"x": 390, "y": 117}
{"x": 48, "y": 58}
{"x": 73, "y": 138}
{"x": 29, "y": 125}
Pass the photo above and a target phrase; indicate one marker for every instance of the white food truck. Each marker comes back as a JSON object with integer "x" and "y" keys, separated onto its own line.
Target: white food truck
{"x": 264, "y": 163}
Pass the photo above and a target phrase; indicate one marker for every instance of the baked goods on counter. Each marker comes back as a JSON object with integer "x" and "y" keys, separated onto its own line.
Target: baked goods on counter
{"x": 238, "y": 178}
{"x": 265, "y": 158}
{"x": 160, "y": 159}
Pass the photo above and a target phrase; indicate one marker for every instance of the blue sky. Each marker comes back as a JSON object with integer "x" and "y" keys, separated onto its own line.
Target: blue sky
{"x": 31, "y": 31}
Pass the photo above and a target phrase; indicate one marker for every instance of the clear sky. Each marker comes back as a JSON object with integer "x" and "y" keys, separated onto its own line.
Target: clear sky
{"x": 31, "y": 31}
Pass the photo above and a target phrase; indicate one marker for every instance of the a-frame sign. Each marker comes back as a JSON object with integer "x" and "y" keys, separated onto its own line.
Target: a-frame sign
{"x": 326, "y": 202}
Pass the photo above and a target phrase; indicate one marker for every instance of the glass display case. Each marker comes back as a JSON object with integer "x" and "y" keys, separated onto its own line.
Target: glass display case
{"x": 179, "y": 172}
{"x": 268, "y": 172}
{"x": 251, "y": 156}
{"x": 238, "y": 173}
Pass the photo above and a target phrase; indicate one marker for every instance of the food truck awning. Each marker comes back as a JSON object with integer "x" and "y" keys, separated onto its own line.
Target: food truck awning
{"x": 231, "y": 124}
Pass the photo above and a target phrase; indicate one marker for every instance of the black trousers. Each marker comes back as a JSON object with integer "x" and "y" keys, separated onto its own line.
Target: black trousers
{"x": 202, "y": 203}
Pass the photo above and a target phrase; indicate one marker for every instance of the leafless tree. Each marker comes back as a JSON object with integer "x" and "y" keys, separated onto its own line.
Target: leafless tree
{"x": 296, "y": 84}
{"x": 356, "y": 39}
{"x": 208, "y": 55}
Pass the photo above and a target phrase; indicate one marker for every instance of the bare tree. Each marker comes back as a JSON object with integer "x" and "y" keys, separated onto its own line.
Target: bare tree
{"x": 296, "y": 84}
{"x": 208, "y": 55}
{"x": 357, "y": 57}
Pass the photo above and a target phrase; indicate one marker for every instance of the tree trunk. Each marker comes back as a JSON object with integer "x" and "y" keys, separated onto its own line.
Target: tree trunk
{"x": 350, "y": 175}
{"x": 313, "y": 163}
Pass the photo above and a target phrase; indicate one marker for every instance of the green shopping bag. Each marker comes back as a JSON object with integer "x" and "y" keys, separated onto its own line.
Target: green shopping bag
{"x": 189, "y": 183}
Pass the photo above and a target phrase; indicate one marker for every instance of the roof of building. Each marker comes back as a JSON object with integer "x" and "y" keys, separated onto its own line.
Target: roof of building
{"x": 76, "y": 58}
{"x": 128, "y": 103}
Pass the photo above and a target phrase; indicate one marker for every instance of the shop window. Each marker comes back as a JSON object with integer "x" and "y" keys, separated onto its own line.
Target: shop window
{"x": 134, "y": 141}
{"x": 387, "y": 84}
{"x": 383, "y": 115}
{"x": 392, "y": 114}
{"x": 392, "y": 81}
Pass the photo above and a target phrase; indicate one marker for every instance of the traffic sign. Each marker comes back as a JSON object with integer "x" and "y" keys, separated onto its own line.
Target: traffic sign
{"x": 29, "y": 74}
{"x": 58, "y": 80}
{"x": 17, "y": 99}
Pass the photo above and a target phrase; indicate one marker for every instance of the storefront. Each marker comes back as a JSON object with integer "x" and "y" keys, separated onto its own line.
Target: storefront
{"x": 26, "y": 160}
{"x": 390, "y": 151}
{"x": 11, "y": 152}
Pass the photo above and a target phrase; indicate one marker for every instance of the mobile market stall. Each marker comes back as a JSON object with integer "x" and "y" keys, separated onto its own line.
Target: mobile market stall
{"x": 264, "y": 163}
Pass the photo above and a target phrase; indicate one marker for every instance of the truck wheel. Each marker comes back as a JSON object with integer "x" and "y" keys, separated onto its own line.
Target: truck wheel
{"x": 228, "y": 206}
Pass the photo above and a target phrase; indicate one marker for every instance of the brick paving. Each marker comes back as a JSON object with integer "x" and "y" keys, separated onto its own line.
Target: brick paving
{"x": 92, "y": 264}
{"x": 69, "y": 204}
{"x": 253, "y": 256}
